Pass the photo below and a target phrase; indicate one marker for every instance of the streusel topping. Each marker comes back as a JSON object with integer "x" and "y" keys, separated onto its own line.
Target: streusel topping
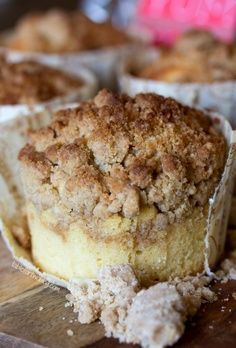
{"x": 207, "y": 60}
{"x": 29, "y": 82}
{"x": 116, "y": 154}
{"x": 58, "y": 31}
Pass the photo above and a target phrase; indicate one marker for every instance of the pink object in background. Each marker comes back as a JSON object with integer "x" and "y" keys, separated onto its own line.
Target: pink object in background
{"x": 164, "y": 20}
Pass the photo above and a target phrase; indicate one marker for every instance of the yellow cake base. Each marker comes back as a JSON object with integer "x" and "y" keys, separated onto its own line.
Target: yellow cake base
{"x": 178, "y": 251}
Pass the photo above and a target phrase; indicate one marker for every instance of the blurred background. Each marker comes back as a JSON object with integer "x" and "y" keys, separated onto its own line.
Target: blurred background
{"x": 160, "y": 20}
{"x": 118, "y": 11}
{"x": 12, "y": 10}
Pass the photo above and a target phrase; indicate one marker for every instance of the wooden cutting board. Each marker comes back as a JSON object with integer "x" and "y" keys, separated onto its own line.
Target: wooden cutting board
{"x": 33, "y": 316}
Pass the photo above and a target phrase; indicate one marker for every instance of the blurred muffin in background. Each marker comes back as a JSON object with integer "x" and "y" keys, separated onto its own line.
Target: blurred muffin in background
{"x": 29, "y": 82}
{"x": 58, "y": 31}
{"x": 197, "y": 56}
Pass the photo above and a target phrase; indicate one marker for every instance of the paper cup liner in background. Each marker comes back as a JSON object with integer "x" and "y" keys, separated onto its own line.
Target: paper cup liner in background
{"x": 216, "y": 96}
{"x": 13, "y": 135}
{"x": 102, "y": 62}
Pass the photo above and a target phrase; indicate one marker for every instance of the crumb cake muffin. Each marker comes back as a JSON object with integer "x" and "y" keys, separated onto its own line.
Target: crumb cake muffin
{"x": 29, "y": 82}
{"x": 196, "y": 57}
{"x": 58, "y": 31}
{"x": 122, "y": 180}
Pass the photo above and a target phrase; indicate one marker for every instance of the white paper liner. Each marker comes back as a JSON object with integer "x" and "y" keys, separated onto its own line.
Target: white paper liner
{"x": 217, "y": 96}
{"x": 13, "y": 135}
{"x": 102, "y": 62}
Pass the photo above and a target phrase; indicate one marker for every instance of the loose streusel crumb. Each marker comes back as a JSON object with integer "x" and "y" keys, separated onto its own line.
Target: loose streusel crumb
{"x": 227, "y": 269}
{"x": 153, "y": 318}
{"x": 119, "y": 286}
{"x": 160, "y": 312}
{"x": 116, "y": 154}
{"x": 29, "y": 82}
{"x": 108, "y": 298}
{"x": 70, "y": 332}
{"x": 86, "y": 299}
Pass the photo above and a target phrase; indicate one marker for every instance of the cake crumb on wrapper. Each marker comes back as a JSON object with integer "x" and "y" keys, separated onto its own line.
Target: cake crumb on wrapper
{"x": 40, "y": 308}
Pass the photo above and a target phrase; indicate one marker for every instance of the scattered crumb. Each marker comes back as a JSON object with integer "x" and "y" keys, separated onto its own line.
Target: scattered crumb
{"x": 85, "y": 297}
{"x": 228, "y": 268}
{"x": 119, "y": 287}
{"x": 161, "y": 312}
{"x": 67, "y": 304}
{"x": 63, "y": 318}
{"x": 153, "y": 317}
{"x": 70, "y": 332}
{"x": 71, "y": 321}
{"x": 115, "y": 298}
{"x": 40, "y": 308}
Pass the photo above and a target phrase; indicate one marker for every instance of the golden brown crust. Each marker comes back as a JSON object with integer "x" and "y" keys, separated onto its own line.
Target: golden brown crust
{"x": 207, "y": 60}
{"x": 115, "y": 154}
{"x": 57, "y": 31}
{"x": 29, "y": 82}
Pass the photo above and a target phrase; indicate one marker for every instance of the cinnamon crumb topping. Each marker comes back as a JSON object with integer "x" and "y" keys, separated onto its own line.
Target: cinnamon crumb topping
{"x": 116, "y": 154}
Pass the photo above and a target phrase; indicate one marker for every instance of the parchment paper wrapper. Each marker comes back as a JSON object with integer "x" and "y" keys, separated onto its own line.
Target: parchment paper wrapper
{"x": 217, "y": 96}
{"x": 13, "y": 135}
{"x": 87, "y": 90}
{"x": 102, "y": 62}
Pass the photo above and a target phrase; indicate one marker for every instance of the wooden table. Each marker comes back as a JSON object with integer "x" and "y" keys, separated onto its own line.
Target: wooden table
{"x": 34, "y": 316}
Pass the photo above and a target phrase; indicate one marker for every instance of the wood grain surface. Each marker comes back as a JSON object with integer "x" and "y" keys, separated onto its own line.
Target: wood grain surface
{"x": 32, "y": 316}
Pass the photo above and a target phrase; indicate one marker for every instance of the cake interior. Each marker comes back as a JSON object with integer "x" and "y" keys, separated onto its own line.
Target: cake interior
{"x": 178, "y": 250}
